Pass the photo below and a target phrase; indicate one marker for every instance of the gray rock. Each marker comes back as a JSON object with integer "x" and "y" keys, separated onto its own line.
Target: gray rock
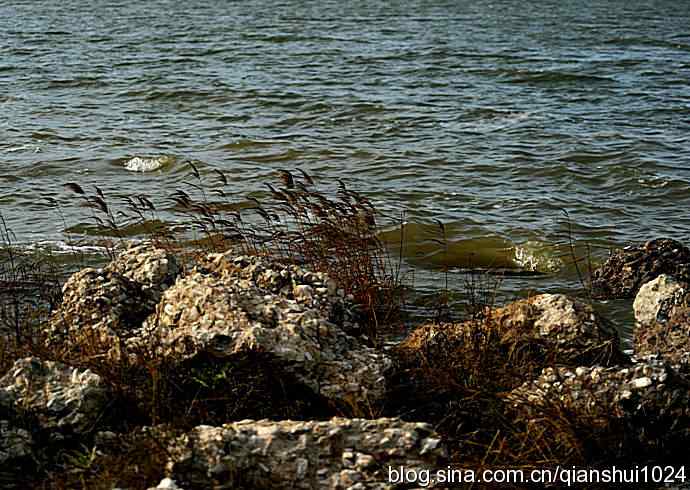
{"x": 655, "y": 299}
{"x": 227, "y": 308}
{"x": 554, "y": 327}
{"x": 573, "y": 327}
{"x": 97, "y": 309}
{"x": 337, "y": 454}
{"x": 627, "y": 269}
{"x": 669, "y": 339}
{"x": 663, "y": 321}
{"x": 153, "y": 269}
{"x": 64, "y": 400}
{"x": 16, "y": 447}
{"x": 238, "y": 305}
{"x": 100, "y": 307}
{"x": 644, "y": 406}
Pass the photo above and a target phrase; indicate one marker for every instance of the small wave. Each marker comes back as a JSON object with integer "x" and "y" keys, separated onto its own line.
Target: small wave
{"x": 243, "y": 144}
{"x": 79, "y": 82}
{"x": 647, "y": 41}
{"x": 61, "y": 247}
{"x": 126, "y": 230}
{"x": 144, "y": 164}
{"x": 24, "y": 148}
{"x": 288, "y": 155}
{"x": 653, "y": 182}
{"x": 537, "y": 257}
{"x": 424, "y": 246}
{"x": 177, "y": 94}
{"x": 555, "y": 77}
{"x": 592, "y": 157}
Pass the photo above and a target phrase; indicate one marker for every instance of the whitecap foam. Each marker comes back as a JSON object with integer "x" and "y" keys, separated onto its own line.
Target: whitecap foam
{"x": 60, "y": 247}
{"x": 143, "y": 164}
{"x": 535, "y": 257}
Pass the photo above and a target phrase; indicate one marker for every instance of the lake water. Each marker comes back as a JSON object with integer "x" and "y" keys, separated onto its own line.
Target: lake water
{"x": 491, "y": 117}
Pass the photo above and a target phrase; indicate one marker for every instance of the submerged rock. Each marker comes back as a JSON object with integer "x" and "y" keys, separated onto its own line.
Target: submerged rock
{"x": 337, "y": 454}
{"x": 236, "y": 306}
{"x": 613, "y": 411}
{"x": 63, "y": 400}
{"x": 657, "y": 298}
{"x": 626, "y": 270}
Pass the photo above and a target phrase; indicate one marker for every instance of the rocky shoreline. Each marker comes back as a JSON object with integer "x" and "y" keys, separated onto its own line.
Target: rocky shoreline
{"x": 243, "y": 372}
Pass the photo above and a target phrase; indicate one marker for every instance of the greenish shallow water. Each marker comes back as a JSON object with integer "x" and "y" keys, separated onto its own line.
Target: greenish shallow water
{"x": 491, "y": 117}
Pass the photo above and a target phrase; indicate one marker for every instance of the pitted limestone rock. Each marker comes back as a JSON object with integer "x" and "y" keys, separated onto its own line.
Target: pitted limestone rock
{"x": 16, "y": 447}
{"x": 64, "y": 400}
{"x": 102, "y": 306}
{"x": 313, "y": 289}
{"x": 647, "y": 402}
{"x": 553, "y": 327}
{"x": 153, "y": 269}
{"x": 238, "y": 305}
{"x": 339, "y": 453}
{"x": 573, "y": 327}
{"x": 96, "y": 309}
{"x": 626, "y": 270}
{"x": 656, "y": 299}
{"x": 669, "y": 339}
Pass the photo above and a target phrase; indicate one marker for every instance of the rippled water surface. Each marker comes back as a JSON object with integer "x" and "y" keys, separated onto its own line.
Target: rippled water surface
{"x": 488, "y": 116}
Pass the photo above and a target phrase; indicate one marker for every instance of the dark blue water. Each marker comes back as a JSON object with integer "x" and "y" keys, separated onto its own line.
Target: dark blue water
{"x": 489, "y": 116}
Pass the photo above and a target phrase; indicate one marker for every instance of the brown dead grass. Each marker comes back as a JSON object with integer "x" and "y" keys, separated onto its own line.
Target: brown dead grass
{"x": 455, "y": 376}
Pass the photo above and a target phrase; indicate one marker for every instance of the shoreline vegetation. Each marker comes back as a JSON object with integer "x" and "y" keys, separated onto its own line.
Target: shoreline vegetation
{"x": 258, "y": 346}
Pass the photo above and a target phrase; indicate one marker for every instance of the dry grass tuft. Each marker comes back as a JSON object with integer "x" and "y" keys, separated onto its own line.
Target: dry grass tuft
{"x": 135, "y": 460}
{"x": 455, "y": 376}
{"x": 324, "y": 230}
{"x": 30, "y": 291}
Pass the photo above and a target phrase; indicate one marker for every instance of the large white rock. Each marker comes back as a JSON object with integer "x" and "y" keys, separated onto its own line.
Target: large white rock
{"x": 234, "y": 306}
{"x": 655, "y": 299}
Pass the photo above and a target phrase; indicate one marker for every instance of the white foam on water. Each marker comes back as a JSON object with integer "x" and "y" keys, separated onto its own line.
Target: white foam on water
{"x": 60, "y": 247}
{"x": 535, "y": 257}
{"x": 141, "y": 164}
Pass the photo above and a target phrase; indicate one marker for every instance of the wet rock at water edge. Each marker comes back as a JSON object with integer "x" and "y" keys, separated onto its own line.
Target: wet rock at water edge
{"x": 63, "y": 400}
{"x": 627, "y": 269}
{"x": 662, "y": 314}
{"x": 335, "y": 454}
{"x": 441, "y": 368}
{"x": 549, "y": 328}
